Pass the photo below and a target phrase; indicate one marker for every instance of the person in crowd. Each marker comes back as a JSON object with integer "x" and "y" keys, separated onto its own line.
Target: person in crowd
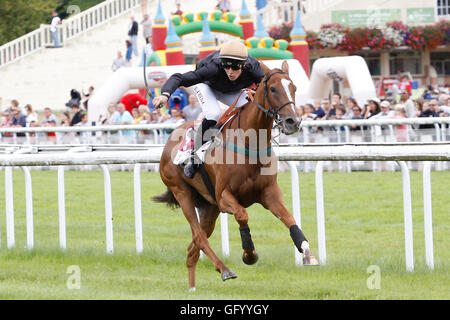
{"x": 330, "y": 113}
{"x": 18, "y": 121}
{"x": 308, "y": 112}
{"x": 118, "y": 62}
{"x": 408, "y": 104}
{"x": 87, "y": 96}
{"x": 132, "y": 34}
{"x": 385, "y": 111}
{"x": 83, "y": 120}
{"x": 143, "y": 111}
{"x": 405, "y": 84}
{"x": 418, "y": 104}
{"x": 56, "y": 20}
{"x": 400, "y": 130}
{"x": 31, "y": 118}
{"x": 340, "y": 112}
{"x": 14, "y": 104}
{"x": 135, "y": 115}
{"x": 65, "y": 119}
{"x": 129, "y": 52}
{"x": 223, "y": 5}
{"x": 156, "y": 116}
{"x": 110, "y": 114}
{"x": 76, "y": 114}
{"x": 178, "y": 12}
{"x": 49, "y": 120}
{"x": 6, "y": 121}
{"x": 146, "y": 27}
{"x": 357, "y": 115}
{"x": 48, "y": 116}
{"x": 373, "y": 108}
{"x": 123, "y": 117}
{"x": 350, "y": 104}
{"x": 318, "y": 110}
{"x": 192, "y": 110}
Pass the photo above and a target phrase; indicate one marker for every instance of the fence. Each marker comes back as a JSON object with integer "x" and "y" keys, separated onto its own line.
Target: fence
{"x": 70, "y": 28}
{"x": 83, "y": 155}
{"x": 317, "y": 132}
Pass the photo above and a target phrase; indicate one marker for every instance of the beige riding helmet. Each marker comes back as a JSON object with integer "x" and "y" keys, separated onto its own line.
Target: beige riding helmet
{"x": 234, "y": 49}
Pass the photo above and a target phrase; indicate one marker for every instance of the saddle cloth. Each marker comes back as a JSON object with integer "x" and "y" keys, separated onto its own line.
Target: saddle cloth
{"x": 185, "y": 149}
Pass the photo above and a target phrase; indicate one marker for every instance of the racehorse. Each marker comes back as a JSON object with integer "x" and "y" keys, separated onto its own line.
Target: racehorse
{"x": 235, "y": 186}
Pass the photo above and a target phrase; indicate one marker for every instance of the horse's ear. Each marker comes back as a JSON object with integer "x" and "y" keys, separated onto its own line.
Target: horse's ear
{"x": 285, "y": 67}
{"x": 264, "y": 68}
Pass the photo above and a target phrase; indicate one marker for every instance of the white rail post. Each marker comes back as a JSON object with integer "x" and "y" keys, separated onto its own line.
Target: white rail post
{"x": 427, "y": 215}
{"x": 9, "y": 198}
{"x": 407, "y": 211}
{"x": 9, "y": 201}
{"x": 61, "y": 208}
{"x": 62, "y": 198}
{"x": 224, "y": 234}
{"x": 296, "y": 210}
{"x": 108, "y": 210}
{"x": 321, "y": 242}
{"x": 29, "y": 208}
{"x": 138, "y": 207}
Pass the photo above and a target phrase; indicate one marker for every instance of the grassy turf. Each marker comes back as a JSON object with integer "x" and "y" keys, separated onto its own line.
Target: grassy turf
{"x": 364, "y": 226}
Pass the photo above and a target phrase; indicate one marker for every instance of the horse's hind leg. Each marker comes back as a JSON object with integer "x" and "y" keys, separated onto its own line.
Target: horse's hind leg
{"x": 228, "y": 203}
{"x": 208, "y": 216}
{"x": 184, "y": 197}
{"x": 272, "y": 199}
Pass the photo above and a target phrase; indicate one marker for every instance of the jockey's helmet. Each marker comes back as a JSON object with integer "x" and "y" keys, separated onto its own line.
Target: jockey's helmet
{"x": 233, "y": 50}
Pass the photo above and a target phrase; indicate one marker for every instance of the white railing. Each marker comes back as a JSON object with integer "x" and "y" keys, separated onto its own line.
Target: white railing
{"x": 277, "y": 12}
{"x": 84, "y": 156}
{"x": 69, "y": 29}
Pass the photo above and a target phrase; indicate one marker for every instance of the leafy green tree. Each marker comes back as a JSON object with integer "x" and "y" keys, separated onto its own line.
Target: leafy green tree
{"x": 22, "y": 16}
{"x": 18, "y": 17}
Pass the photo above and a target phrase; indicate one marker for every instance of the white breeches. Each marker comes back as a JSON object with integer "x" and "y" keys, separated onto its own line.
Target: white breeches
{"x": 209, "y": 98}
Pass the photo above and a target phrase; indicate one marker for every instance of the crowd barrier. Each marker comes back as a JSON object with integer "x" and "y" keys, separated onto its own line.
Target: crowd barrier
{"x": 315, "y": 132}
{"x": 103, "y": 156}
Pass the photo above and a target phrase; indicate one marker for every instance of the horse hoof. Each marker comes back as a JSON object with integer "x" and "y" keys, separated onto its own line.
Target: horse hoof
{"x": 228, "y": 274}
{"x": 309, "y": 259}
{"x": 250, "y": 258}
{"x": 192, "y": 289}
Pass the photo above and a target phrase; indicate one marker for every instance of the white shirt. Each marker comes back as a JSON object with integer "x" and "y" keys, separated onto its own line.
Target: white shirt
{"x": 55, "y": 21}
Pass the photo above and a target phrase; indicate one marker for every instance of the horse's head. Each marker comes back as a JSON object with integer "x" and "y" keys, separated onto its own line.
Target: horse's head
{"x": 278, "y": 98}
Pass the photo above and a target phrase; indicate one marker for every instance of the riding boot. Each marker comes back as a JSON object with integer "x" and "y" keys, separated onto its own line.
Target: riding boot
{"x": 192, "y": 166}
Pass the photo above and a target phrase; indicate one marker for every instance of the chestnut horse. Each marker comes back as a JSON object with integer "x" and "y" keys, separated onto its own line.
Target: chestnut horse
{"x": 236, "y": 185}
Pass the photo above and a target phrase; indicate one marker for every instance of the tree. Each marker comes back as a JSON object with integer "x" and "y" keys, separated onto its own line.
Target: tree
{"x": 22, "y": 16}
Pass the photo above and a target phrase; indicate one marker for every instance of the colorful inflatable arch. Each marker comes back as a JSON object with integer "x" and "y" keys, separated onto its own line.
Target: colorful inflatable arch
{"x": 219, "y": 22}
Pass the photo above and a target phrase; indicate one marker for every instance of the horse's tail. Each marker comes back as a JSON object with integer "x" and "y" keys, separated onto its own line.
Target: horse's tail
{"x": 168, "y": 198}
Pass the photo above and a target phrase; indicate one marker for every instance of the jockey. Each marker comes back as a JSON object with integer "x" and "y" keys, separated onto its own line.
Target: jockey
{"x": 219, "y": 76}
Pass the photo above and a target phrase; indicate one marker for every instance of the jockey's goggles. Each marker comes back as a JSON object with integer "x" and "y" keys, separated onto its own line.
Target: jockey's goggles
{"x": 233, "y": 64}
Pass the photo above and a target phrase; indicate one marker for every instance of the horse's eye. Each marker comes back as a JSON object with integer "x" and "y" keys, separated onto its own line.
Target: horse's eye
{"x": 272, "y": 89}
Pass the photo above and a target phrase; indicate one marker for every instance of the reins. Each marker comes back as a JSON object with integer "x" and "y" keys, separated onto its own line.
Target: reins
{"x": 272, "y": 112}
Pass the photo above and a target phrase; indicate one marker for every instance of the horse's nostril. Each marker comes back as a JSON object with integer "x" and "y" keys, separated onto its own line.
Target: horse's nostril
{"x": 290, "y": 121}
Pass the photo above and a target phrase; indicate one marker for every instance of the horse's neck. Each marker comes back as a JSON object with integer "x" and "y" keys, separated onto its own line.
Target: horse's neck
{"x": 253, "y": 118}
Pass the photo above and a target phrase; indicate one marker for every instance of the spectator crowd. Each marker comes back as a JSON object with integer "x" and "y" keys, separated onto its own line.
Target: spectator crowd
{"x": 133, "y": 108}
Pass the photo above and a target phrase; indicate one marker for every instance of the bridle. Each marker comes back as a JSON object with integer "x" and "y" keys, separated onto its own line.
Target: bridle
{"x": 272, "y": 112}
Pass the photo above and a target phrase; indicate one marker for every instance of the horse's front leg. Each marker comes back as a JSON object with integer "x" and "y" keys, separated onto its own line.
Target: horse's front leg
{"x": 228, "y": 203}
{"x": 272, "y": 199}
